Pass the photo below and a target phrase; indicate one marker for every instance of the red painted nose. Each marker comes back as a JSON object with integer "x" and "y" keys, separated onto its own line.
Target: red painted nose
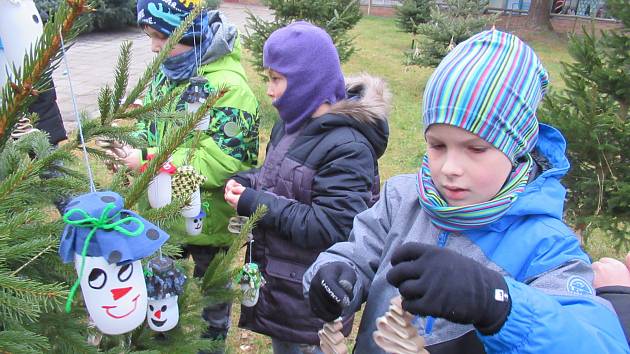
{"x": 120, "y": 292}
{"x": 158, "y": 314}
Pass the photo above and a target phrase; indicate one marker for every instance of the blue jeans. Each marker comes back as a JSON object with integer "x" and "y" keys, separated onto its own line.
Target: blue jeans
{"x": 282, "y": 347}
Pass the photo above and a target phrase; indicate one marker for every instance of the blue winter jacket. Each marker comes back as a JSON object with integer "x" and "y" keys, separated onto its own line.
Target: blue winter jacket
{"x": 554, "y": 307}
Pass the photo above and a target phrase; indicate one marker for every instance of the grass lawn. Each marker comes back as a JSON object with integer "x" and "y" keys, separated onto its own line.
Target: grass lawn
{"x": 380, "y": 47}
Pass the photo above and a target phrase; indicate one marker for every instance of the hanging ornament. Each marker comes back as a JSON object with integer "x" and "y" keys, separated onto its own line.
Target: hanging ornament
{"x": 186, "y": 183}
{"x": 164, "y": 285}
{"x": 331, "y": 339}
{"x": 235, "y": 225}
{"x": 22, "y": 127}
{"x": 160, "y": 188}
{"x": 395, "y": 332}
{"x": 107, "y": 242}
{"x": 250, "y": 281}
{"x": 194, "y": 225}
{"x": 195, "y": 95}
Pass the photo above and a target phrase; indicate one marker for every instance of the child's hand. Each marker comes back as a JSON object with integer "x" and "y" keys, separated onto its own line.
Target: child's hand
{"x": 331, "y": 290}
{"x": 439, "y": 282}
{"x": 611, "y": 272}
{"x": 121, "y": 152}
{"x": 233, "y": 191}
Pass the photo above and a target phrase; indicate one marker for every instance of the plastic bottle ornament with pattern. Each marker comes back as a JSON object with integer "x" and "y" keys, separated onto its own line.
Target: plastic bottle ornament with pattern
{"x": 20, "y": 27}
{"x": 331, "y": 339}
{"x": 185, "y": 184}
{"x": 194, "y": 226}
{"x": 22, "y": 127}
{"x": 164, "y": 285}
{"x": 193, "y": 208}
{"x": 106, "y": 243}
{"x": 195, "y": 95}
{"x": 160, "y": 190}
{"x": 115, "y": 296}
{"x": 250, "y": 280}
{"x": 396, "y": 333}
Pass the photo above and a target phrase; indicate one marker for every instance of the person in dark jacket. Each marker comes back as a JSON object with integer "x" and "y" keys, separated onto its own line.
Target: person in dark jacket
{"x": 612, "y": 282}
{"x": 320, "y": 171}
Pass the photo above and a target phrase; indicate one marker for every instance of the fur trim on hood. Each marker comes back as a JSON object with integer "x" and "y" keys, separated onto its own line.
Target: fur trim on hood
{"x": 369, "y": 99}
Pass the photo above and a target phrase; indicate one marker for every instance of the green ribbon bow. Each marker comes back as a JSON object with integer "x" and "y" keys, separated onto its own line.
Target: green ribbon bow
{"x": 104, "y": 223}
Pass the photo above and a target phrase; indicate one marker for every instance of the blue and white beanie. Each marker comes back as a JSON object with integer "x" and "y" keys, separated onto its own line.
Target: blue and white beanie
{"x": 166, "y": 15}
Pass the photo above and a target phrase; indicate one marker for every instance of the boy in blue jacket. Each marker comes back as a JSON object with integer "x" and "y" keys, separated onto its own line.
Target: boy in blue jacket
{"x": 475, "y": 242}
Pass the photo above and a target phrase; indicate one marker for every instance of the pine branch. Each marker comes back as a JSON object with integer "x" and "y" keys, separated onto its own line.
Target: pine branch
{"x": 13, "y": 341}
{"x": 169, "y": 144}
{"x": 122, "y": 73}
{"x": 37, "y": 65}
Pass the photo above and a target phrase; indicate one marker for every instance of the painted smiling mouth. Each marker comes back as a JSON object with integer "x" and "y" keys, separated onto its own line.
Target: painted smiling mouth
{"x": 157, "y": 323}
{"x": 197, "y": 227}
{"x": 135, "y": 305}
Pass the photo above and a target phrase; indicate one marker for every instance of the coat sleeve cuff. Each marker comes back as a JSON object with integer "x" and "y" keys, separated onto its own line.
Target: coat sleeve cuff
{"x": 609, "y": 290}
{"x": 248, "y": 202}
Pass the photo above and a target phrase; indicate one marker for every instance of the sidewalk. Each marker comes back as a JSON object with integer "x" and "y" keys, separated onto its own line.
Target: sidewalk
{"x": 93, "y": 56}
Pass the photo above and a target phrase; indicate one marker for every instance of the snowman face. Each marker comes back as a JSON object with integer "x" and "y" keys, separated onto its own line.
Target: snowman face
{"x": 20, "y": 27}
{"x": 163, "y": 314}
{"x": 194, "y": 226}
{"x": 115, "y": 296}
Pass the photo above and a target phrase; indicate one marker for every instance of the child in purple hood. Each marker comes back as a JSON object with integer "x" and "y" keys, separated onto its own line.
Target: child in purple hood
{"x": 320, "y": 171}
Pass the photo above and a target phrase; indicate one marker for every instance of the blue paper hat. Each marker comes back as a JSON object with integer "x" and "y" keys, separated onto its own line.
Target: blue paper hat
{"x": 114, "y": 233}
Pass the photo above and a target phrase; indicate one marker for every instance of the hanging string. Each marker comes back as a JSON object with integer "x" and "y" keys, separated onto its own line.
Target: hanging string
{"x": 201, "y": 38}
{"x": 197, "y": 62}
{"x": 77, "y": 116}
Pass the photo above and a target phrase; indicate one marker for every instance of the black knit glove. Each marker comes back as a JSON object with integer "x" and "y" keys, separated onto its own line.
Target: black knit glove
{"x": 438, "y": 282}
{"x": 331, "y": 290}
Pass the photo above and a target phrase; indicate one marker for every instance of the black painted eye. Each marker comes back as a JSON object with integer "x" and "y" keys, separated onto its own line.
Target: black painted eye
{"x": 97, "y": 278}
{"x": 35, "y": 19}
{"x": 195, "y": 220}
{"x": 163, "y": 308}
{"x": 151, "y": 307}
{"x": 125, "y": 272}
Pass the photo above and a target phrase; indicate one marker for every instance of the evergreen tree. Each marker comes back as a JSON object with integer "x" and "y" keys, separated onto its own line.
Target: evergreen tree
{"x": 33, "y": 282}
{"x": 592, "y": 112}
{"x": 107, "y": 15}
{"x": 336, "y": 17}
{"x": 451, "y": 23}
{"x": 412, "y": 13}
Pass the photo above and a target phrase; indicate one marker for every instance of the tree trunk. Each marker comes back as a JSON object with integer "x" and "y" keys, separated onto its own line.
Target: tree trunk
{"x": 538, "y": 15}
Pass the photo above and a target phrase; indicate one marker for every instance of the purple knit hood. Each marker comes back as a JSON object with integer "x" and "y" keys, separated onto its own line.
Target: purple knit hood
{"x": 306, "y": 56}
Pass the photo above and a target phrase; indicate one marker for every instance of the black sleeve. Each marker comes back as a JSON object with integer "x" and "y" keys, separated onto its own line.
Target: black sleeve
{"x": 619, "y": 297}
{"x": 49, "y": 115}
{"x": 341, "y": 189}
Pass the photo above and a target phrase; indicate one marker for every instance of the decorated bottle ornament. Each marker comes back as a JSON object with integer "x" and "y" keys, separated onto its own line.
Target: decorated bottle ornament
{"x": 194, "y": 226}
{"x": 160, "y": 191}
{"x": 331, "y": 339}
{"x": 186, "y": 183}
{"x": 195, "y": 95}
{"x": 164, "y": 285}
{"x": 250, "y": 280}
{"x": 235, "y": 225}
{"x": 107, "y": 242}
{"x": 20, "y": 27}
{"x": 396, "y": 333}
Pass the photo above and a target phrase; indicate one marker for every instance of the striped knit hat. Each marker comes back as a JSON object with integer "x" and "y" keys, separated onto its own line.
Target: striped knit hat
{"x": 489, "y": 85}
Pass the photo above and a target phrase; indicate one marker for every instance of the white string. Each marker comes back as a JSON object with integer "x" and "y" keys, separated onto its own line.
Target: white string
{"x": 76, "y": 114}
{"x": 195, "y": 46}
{"x": 201, "y": 39}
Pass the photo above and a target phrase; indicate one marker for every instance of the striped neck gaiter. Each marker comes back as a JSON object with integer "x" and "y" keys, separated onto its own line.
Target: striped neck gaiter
{"x": 471, "y": 216}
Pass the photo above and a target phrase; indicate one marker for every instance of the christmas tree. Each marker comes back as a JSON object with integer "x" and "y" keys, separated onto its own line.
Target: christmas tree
{"x": 592, "y": 113}
{"x": 34, "y": 284}
{"x": 412, "y": 13}
{"x": 336, "y": 17}
{"x": 451, "y": 22}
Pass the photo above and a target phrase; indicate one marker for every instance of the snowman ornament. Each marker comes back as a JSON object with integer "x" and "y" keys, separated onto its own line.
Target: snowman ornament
{"x": 164, "y": 285}
{"x": 194, "y": 226}
{"x": 106, "y": 244}
{"x": 159, "y": 191}
{"x": 20, "y": 27}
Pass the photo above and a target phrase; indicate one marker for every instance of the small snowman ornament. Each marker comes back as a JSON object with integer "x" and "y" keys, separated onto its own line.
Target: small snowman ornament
{"x": 250, "y": 280}
{"x": 106, "y": 243}
{"x": 160, "y": 192}
{"x": 195, "y": 95}
{"x": 164, "y": 285}
{"x": 20, "y": 27}
{"x": 186, "y": 183}
{"x": 194, "y": 226}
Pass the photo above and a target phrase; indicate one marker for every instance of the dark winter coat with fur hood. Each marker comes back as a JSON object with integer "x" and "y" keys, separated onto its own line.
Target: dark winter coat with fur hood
{"x": 313, "y": 183}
